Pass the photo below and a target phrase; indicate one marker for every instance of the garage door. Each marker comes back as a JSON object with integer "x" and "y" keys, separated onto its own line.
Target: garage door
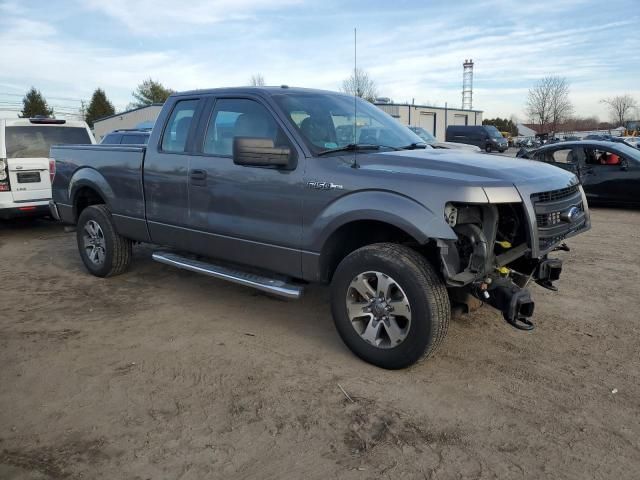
{"x": 427, "y": 120}
{"x": 460, "y": 120}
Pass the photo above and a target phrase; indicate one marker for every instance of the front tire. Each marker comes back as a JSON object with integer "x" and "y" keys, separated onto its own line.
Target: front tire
{"x": 488, "y": 148}
{"x": 389, "y": 305}
{"x": 103, "y": 251}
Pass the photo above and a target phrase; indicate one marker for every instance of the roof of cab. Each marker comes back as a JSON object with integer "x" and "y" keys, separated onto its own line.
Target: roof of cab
{"x": 264, "y": 90}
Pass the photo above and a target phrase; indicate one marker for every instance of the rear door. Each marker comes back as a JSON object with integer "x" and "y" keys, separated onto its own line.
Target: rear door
{"x": 166, "y": 167}
{"x": 27, "y": 151}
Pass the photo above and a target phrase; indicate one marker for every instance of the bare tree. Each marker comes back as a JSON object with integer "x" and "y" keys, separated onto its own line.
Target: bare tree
{"x": 361, "y": 85}
{"x": 548, "y": 103}
{"x": 621, "y": 108}
{"x": 256, "y": 80}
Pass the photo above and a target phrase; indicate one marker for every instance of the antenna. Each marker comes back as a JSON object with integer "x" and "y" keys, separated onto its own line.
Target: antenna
{"x": 355, "y": 97}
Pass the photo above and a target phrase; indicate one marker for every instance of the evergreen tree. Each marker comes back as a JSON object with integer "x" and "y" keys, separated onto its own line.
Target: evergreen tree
{"x": 149, "y": 92}
{"x": 34, "y": 104}
{"x": 99, "y": 107}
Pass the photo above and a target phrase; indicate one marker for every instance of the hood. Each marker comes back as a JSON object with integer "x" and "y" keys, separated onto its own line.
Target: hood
{"x": 456, "y": 146}
{"x": 462, "y": 166}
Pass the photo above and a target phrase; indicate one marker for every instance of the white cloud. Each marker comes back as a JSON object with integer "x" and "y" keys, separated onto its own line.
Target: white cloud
{"x": 166, "y": 17}
{"x": 411, "y": 54}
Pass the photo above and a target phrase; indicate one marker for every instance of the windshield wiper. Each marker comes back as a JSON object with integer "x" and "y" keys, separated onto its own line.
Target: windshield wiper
{"x": 352, "y": 147}
{"x": 414, "y": 146}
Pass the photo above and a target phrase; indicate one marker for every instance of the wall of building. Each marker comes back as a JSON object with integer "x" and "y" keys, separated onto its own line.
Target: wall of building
{"x": 130, "y": 119}
{"x": 432, "y": 119}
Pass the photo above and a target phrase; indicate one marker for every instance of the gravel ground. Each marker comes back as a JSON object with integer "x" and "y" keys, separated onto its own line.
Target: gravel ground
{"x": 160, "y": 373}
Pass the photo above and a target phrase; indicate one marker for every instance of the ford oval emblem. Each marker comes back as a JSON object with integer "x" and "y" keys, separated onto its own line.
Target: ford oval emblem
{"x": 570, "y": 215}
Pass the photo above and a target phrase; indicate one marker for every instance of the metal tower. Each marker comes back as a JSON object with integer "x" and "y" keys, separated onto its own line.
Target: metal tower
{"x": 467, "y": 85}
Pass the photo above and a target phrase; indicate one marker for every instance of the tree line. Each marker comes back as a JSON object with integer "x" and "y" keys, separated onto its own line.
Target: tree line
{"x": 549, "y": 106}
{"x": 147, "y": 93}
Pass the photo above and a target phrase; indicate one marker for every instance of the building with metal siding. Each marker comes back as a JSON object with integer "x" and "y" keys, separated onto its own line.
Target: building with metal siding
{"x": 433, "y": 119}
{"x": 136, "y": 118}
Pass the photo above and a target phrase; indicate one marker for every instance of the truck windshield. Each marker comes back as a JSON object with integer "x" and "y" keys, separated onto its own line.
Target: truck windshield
{"x": 327, "y": 122}
{"x": 493, "y": 132}
{"x": 34, "y": 141}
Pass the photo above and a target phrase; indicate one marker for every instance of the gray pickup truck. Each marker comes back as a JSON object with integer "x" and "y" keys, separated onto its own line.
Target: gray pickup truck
{"x": 278, "y": 187}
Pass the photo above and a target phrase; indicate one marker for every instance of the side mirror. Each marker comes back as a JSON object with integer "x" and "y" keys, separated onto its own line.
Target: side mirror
{"x": 259, "y": 152}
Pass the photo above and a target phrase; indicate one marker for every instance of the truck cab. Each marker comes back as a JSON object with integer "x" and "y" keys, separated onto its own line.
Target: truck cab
{"x": 25, "y": 167}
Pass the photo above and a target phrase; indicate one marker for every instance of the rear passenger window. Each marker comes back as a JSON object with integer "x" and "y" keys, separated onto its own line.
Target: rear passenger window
{"x": 562, "y": 156}
{"x": 175, "y": 134}
{"x": 112, "y": 139}
{"x": 134, "y": 139}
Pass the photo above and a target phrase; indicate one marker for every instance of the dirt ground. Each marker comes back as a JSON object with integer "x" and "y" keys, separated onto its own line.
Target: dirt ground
{"x": 165, "y": 374}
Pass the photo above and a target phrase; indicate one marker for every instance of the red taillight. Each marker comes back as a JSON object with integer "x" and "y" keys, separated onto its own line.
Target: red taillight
{"x": 52, "y": 169}
{"x": 4, "y": 176}
{"x": 26, "y": 209}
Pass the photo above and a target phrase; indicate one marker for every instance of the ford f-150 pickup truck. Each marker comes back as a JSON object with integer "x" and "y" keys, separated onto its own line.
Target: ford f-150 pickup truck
{"x": 277, "y": 187}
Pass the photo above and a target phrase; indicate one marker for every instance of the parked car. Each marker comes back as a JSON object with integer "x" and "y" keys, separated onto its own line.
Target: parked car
{"x": 632, "y": 141}
{"x": 609, "y": 171}
{"x": 486, "y": 137}
{"x": 252, "y": 185}
{"x": 433, "y": 141}
{"x": 25, "y": 182}
{"x": 133, "y": 136}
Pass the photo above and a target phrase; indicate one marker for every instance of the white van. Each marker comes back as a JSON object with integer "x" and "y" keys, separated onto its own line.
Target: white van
{"x": 25, "y": 168}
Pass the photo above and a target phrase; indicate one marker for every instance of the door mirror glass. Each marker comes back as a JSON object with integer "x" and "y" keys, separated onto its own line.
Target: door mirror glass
{"x": 259, "y": 152}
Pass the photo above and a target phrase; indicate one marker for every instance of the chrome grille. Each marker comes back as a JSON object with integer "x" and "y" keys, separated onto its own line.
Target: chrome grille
{"x": 549, "y": 208}
{"x": 554, "y": 195}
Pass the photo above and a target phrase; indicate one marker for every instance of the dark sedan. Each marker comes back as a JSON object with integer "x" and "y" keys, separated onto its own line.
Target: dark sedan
{"x": 608, "y": 171}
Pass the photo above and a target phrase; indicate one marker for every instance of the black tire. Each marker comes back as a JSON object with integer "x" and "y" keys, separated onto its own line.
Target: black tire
{"x": 429, "y": 303}
{"x": 488, "y": 148}
{"x": 117, "y": 249}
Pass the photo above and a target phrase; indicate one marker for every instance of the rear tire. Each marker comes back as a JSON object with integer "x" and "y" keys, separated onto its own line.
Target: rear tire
{"x": 406, "y": 327}
{"x": 103, "y": 251}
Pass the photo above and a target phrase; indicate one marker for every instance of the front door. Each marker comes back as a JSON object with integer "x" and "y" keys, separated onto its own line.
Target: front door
{"x": 607, "y": 176}
{"x": 245, "y": 214}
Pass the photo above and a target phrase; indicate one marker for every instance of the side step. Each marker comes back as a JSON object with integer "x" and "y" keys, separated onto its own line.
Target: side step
{"x": 270, "y": 285}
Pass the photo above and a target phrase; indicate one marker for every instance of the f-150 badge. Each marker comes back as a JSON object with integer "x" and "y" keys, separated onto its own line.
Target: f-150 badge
{"x": 324, "y": 186}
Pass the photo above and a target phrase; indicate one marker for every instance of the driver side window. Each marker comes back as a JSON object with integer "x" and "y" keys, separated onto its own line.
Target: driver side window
{"x": 595, "y": 156}
{"x": 238, "y": 117}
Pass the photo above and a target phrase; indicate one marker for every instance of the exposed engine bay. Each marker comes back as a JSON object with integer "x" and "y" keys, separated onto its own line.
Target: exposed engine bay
{"x": 491, "y": 259}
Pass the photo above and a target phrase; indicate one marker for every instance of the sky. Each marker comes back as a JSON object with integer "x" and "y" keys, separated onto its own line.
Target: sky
{"x": 413, "y": 50}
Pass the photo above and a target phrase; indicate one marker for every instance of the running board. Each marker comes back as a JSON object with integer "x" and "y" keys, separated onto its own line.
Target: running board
{"x": 265, "y": 284}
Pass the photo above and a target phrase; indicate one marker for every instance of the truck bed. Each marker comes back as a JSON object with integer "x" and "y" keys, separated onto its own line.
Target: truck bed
{"x": 116, "y": 169}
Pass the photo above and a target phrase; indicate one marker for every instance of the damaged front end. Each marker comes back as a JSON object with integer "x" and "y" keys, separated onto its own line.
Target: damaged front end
{"x": 502, "y": 247}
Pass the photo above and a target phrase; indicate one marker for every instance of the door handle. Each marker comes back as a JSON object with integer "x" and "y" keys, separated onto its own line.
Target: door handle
{"x": 198, "y": 177}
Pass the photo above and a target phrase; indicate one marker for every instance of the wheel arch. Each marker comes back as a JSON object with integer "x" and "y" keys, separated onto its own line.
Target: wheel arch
{"x": 387, "y": 218}
{"x": 88, "y": 187}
